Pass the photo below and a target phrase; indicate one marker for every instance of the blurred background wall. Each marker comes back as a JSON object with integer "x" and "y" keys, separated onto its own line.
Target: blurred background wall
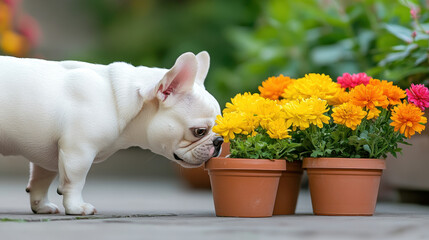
{"x": 248, "y": 41}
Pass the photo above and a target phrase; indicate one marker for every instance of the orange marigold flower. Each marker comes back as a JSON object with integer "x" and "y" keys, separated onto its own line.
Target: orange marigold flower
{"x": 348, "y": 114}
{"x": 368, "y": 96}
{"x": 273, "y": 87}
{"x": 393, "y": 93}
{"x": 408, "y": 119}
{"x": 5, "y": 17}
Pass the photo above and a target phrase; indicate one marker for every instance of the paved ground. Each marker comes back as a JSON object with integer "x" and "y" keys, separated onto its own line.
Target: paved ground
{"x": 165, "y": 209}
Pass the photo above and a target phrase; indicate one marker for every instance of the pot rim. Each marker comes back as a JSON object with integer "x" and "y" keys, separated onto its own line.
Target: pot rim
{"x": 223, "y": 163}
{"x": 344, "y": 163}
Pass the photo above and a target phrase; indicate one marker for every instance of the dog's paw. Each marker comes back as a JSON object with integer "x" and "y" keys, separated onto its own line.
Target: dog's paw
{"x": 81, "y": 209}
{"x": 44, "y": 208}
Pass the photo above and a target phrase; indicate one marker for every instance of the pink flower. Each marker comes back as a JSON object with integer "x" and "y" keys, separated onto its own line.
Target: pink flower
{"x": 419, "y": 95}
{"x": 351, "y": 81}
{"x": 414, "y": 12}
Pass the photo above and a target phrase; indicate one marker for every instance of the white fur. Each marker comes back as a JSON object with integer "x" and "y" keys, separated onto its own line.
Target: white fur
{"x": 63, "y": 116}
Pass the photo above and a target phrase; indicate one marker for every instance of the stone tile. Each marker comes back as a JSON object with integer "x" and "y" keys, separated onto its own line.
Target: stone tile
{"x": 165, "y": 209}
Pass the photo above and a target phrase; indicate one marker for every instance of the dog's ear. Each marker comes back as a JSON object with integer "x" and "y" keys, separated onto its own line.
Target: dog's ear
{"x": 203, "y": 67}
{"x": 180, "y": 78}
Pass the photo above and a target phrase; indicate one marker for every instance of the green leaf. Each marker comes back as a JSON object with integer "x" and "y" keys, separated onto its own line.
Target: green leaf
{"x": 396, "y": 56}
{"x": 367, "y": 148}
{"x": 421, "y": 36}
{"x": 364, "y": 134}
{"x": 421, "y": 58}
{"x": 401, "y": 74}
{"x": 365, "y": 39}
{"x": 316, "y": 153}
{"x": 400, "y": 32}
{"x": 329, "y": 54}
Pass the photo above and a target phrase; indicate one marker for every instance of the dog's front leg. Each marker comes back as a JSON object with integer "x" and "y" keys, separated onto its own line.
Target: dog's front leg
{"x": 73, "y": 164}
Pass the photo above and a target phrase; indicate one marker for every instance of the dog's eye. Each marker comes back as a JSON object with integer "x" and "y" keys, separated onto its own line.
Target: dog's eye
{"x": 199, "y": 132}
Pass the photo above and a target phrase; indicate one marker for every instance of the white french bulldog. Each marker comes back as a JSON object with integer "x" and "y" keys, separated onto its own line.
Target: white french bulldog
{"x": 63, "y": 116}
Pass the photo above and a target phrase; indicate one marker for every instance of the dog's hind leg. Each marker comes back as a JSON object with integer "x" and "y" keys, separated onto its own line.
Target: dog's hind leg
{"x": 38, "y": 186}
{"x": 73, "y": 165}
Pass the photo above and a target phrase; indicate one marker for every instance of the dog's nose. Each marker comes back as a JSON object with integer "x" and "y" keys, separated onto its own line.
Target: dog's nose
{"x": 218, "y": 142}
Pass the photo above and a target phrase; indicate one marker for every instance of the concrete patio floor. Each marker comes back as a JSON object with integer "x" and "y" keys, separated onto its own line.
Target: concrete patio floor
{"x": 166, "y": 209}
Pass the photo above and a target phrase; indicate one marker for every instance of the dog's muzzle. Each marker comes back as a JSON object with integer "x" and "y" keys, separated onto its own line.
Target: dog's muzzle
{"x": 217, "y": 143}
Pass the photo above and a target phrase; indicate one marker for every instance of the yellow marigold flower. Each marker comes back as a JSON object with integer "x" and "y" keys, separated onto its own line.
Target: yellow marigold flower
{"x": 348, "y": 114}
{"x": 342, "y": 97}
{"x": 373, "y": 113}
{"x": 243, "y": 103}
{"x": 266, "y": 110}
{"x": 283, "y": 102}
{"x": 278, "y": 129}
{"x": 408, "y": 119}
{"x": 255, "y": 109}
{"x": 296, "y": 115}
{"x": 273, "y": 87}
{"x": 229, "y": 125}
{"x": 251, "y": 122}
{"x": 393, "y": 93}
{"x": 13, "y": 44}
{"x": 301, "y": 113}
{"x": 317, "y": 107}
{"x": 313, "y": 85}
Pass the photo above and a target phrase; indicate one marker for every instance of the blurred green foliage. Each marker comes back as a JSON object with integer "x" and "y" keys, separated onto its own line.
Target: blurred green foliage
{"x": 406, "y": 61}
{"x": 250, "y": 40}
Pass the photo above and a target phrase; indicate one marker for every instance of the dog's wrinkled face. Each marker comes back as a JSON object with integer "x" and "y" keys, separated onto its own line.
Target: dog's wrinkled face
{"x": 181, "y": 130}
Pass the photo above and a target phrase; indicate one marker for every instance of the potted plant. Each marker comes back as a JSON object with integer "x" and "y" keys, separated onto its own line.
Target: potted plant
{"x": 290, "y": 180}
{"x": 246, "y": 183}
{"x": 365, "y": 119}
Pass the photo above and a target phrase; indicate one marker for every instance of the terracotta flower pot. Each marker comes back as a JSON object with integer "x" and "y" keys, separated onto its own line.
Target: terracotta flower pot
{"x": 344, "y": 186}
{"x": 288, "y": 191}
{"x": 197, "y": 177}
{"x": 244, "y": 187}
